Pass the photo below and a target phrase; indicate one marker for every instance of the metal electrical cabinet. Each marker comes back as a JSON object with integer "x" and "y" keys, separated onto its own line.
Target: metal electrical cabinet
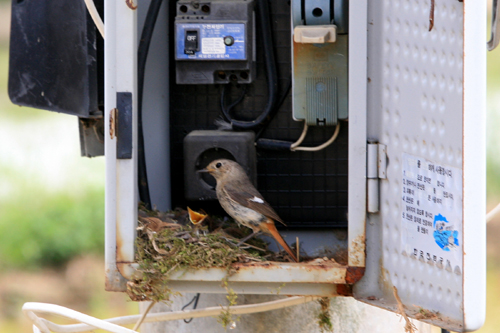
{"x": 402, "y": 188}
{"x": 408, "y": 170}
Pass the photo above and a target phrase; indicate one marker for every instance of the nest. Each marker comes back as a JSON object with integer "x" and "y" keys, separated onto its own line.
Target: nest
{"x": 169, "y": 242}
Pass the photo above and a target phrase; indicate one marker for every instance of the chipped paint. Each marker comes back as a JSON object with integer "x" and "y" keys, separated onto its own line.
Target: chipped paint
{"x": 357, "y": 252}
{"x": 131, "y": 4}
{"x": 112, "y": 124}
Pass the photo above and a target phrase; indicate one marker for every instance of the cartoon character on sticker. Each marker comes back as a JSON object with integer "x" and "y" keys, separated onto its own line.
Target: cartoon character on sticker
{"x": 444, "y": 235}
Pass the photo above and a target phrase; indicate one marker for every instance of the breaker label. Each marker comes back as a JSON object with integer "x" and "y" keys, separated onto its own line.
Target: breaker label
{"x": 213, "y": 46}
{"x": 431, "y": 217}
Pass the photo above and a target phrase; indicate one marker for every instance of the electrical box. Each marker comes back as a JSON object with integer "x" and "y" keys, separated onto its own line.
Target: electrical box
{"x": 215, "y": 42}
{"x": 371, "y": 147}
{"x": 320, "y": 61}
{"x": 401, "y": 189}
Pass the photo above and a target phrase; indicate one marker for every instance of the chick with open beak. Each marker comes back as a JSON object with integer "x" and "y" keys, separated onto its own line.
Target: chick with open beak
{"x": 241, "y": 200}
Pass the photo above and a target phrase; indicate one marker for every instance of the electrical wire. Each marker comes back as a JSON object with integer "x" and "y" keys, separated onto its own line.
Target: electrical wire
{"x": 272, "y": 75}
{"x": 492, "y": 213}
{"x": 276, "y": 108}
{"x": 227, "y": 111}
{"x": 301, "y": 138}
{"x": 144, "y": 315}
{"x": 142, "y": 56}
{"x": 95, "y": 16}
{"x": 110, "y": 325}
{"x": 317, "y": 148}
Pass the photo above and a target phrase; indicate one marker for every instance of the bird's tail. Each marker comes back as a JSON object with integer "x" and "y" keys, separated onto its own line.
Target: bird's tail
{"x": 270, "y": 228}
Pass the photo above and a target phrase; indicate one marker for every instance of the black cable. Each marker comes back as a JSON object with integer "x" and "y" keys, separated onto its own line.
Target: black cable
{"x": 276, "y": 108}
{"x": 142, "y": 56}
{"x": 227, "y": 111}
{"x": 272, "y": 75}
{"x": 195, "y": 299}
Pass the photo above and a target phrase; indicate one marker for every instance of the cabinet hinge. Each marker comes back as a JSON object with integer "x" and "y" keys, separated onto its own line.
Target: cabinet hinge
{"x": 376, "y": 169}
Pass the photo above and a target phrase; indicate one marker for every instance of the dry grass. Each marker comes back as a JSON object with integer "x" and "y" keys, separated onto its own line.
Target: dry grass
{"x": 168, "y": 243}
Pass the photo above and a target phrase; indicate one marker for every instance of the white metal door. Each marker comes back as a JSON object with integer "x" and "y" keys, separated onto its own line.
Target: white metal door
{"x": 426, "y": 103}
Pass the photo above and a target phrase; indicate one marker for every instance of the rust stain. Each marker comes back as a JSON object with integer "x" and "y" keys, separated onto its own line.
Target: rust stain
{"x": 131, "y": 4}
{"x": 431, "y": 16}
{"x": 113, "y": 282}
{"x": 310, "y": 267}
{"x": 344, "y": 289}
{"x": 112, "y": 125}
{"x": 357, "y": 252}
{"x": 354, "y": 274}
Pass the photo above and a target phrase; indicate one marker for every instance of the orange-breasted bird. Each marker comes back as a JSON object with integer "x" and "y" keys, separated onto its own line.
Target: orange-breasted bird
{"x": 241, "y": 200}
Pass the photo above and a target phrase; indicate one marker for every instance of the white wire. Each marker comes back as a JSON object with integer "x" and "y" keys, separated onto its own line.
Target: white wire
{"x": 95, "y": 16}
{"x": 301, "y": 138}
{"x": 44, "y": 326}
{"x": 322, "y": 146}
{"x": 153, "y": 317}
{"x": 492, "y": 213}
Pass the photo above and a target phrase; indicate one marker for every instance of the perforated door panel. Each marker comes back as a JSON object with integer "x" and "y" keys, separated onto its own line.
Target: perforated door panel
{"x": 418, "y": 106}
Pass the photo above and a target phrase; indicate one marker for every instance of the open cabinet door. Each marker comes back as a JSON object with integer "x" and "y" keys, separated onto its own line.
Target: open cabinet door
{"x": 426, "y": 107}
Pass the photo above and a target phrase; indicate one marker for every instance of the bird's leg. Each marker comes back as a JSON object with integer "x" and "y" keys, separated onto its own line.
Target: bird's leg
{"x": 255, "y": 233}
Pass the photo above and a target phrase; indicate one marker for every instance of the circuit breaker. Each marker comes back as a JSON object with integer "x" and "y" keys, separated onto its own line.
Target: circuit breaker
{"x": 214, "y": 42}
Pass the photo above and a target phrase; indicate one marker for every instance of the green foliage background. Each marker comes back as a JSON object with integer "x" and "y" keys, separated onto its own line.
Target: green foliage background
{"x": 48, "y": 214}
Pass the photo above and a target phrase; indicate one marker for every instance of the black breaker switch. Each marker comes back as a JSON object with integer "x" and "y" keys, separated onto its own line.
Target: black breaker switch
{"x": 191, "y": 42}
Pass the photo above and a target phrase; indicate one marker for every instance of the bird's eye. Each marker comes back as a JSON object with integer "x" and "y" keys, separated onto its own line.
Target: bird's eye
{"x": 218, "y": 165}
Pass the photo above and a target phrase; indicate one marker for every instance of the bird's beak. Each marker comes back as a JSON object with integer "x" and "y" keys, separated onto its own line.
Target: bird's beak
{"x": 204, "y": 171}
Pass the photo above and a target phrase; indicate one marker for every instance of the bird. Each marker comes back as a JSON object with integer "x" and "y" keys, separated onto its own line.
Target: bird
{"x": 243, "y": 202}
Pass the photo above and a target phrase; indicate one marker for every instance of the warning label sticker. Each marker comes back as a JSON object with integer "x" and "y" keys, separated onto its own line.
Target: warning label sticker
{"x": 213, "y": 46}
{"x": 431, "y": 217}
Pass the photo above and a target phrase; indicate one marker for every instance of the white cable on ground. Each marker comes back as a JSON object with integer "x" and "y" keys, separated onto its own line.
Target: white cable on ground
{"x": 92, "y": 323}
{"x": 322, "y": 146}
{"x": 45, "y": 326}
{"x": 95, "y": 16}
{"x": 492, "y": 213}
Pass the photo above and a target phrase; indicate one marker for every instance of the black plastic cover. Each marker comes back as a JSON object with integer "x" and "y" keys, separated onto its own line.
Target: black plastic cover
{"x": 124, "y": 125}
{"x": 53, "y": 57}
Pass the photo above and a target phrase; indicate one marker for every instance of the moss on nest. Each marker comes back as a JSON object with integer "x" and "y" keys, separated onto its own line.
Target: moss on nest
{"x": 168, "y": 243}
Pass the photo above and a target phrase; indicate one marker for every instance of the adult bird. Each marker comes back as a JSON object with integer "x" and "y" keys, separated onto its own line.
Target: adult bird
{"x": 241, "y": 200}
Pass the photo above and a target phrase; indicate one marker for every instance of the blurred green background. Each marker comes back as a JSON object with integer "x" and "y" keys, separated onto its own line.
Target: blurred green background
{"x": 52, "y": 210}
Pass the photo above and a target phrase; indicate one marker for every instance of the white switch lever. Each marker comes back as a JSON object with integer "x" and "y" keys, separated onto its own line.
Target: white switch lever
{"x": 315, "y": 34}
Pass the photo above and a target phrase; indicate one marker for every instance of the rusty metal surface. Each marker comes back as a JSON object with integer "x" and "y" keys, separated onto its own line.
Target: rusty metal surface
{"x": 357, "y": 251}
{"x": 354, "y": 274}
{"x": 327, "y": 272}
{"x": 344, "y": 290}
